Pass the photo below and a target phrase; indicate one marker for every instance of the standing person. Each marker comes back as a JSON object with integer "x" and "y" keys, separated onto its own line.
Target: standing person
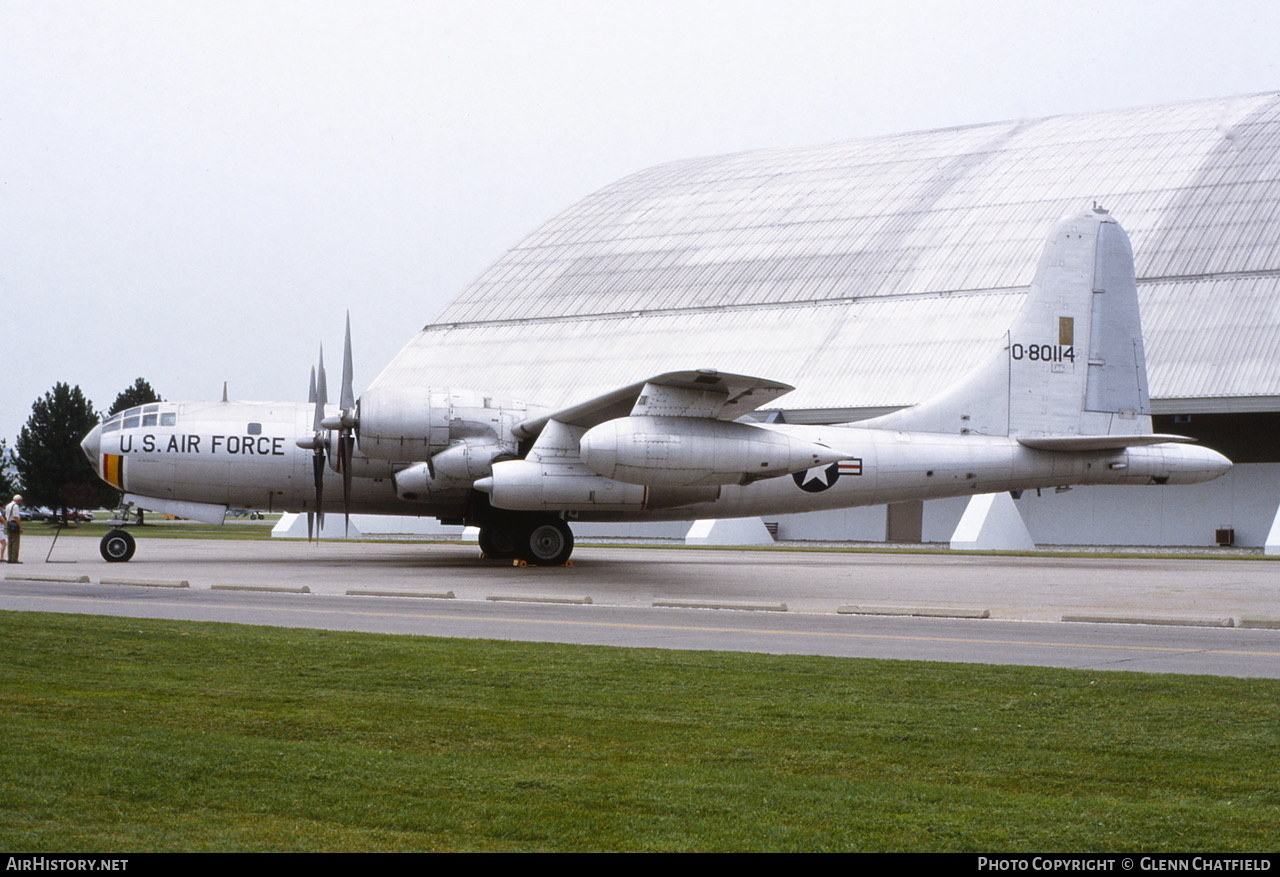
{"x": 4, "y": 533}
{"x": 13, "y": 526}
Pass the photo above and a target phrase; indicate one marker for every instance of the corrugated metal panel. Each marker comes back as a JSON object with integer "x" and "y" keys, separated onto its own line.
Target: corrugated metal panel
{"x": 867, "y": 233}
{"x": 1201, "y": 335}
{"x": 1209, "y": 334}
{"x": 872, "y": 352}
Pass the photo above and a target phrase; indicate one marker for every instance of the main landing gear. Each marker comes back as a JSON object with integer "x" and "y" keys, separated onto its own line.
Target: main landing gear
{"x": 542, "y": 540}
{"x": 117, "y": 546}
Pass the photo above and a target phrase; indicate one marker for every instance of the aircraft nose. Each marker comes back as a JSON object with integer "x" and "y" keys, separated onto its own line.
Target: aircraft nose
{"x": 92, "y": 446}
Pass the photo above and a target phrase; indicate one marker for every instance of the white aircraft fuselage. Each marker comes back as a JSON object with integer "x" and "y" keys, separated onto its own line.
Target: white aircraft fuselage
{"x": 1061, "y": 400}
{"x": 244, "y": 455}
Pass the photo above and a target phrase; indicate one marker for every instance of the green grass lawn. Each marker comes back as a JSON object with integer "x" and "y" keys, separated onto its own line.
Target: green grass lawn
{"x": 136, "y": 735}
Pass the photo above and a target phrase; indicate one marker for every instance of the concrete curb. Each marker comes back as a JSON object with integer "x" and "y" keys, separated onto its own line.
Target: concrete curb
{"x": 714, "y": 604}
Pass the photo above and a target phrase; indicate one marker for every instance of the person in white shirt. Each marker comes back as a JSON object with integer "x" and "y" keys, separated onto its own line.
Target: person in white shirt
{"x": 13, "y": 526}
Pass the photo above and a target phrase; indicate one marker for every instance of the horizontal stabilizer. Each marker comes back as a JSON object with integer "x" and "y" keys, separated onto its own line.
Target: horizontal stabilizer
{"x": 1078, "y": 443}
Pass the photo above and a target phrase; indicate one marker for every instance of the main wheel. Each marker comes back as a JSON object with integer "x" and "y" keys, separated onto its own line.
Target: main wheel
{"x": 498, "y": 541}
{"x": 546, "y": 542}
{"x": 117, "y": 546}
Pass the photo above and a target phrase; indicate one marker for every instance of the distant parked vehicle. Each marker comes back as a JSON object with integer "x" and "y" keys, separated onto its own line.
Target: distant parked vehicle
{"x": 73, "y": 515}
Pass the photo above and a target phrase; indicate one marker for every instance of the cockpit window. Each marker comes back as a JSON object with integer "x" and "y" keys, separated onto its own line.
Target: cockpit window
{"x": 141, "y": 415}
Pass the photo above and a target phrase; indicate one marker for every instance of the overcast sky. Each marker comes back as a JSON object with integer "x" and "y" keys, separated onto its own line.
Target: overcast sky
{"x": 195, "y": 192}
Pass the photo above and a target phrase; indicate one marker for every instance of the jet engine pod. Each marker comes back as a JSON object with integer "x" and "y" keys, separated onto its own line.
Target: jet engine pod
{"x": 423, "y": 481}
{"x": 526, "y": 485}
{"x": 694, "y": 451}
{"x": 456, "y": 468}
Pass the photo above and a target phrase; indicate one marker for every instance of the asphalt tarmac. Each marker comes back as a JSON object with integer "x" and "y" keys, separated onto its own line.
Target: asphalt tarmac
{"x": 1219, "y": 617}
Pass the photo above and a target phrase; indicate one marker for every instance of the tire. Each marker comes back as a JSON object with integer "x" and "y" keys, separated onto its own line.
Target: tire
{"x": 498, "y": 541}
{"x": 546, "y": 542}
{"x": 117, "y": 546}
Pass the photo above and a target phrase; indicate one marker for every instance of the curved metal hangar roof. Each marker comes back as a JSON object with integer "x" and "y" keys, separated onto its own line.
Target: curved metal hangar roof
{"x": 868, "y": 273}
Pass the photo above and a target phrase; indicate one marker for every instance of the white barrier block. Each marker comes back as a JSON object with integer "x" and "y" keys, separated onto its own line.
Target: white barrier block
{"x": 991, "y": 522}
{"x": 294, "y": 526}
{"x": 729, "y": 531}
{"x": 1272, "y": 545}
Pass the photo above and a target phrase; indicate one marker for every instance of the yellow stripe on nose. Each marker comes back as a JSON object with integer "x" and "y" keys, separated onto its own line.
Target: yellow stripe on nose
{"x": 113, "y": 470}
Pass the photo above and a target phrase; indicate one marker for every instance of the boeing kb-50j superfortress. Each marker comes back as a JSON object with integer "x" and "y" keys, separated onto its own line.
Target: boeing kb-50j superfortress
{"x": 1062, "y": 400}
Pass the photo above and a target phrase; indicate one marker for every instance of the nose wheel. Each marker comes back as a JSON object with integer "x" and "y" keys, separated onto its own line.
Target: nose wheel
{"x": 117, "y": 546}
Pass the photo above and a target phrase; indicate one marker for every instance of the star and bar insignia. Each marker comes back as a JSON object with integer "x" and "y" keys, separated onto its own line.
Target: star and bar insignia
{"x": 819, "y": 478}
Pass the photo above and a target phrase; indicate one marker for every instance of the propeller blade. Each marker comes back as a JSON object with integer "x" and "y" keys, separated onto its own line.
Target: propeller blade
{"x": 319, "y": 395}
{"x": 346, "y": 424}
{"x": 347, "y": 401}
{"x": 322, "y": 384}
{"x": 317, "y": 467}
{"x": 345, "y": 448}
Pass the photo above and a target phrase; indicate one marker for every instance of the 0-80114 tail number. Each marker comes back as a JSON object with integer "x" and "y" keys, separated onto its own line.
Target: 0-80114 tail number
{"x": 1043, "y": 352}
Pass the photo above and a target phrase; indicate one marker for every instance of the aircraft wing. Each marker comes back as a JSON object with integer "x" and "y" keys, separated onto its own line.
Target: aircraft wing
{"x": 704, "y": 393}
{"x": 1076, "y": 443}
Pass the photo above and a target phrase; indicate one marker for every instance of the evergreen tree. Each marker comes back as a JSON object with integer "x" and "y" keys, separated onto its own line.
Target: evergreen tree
{"x": 53, "y": 469}
{"x": 8, "y": 474}
{"x": 139, "y": 393}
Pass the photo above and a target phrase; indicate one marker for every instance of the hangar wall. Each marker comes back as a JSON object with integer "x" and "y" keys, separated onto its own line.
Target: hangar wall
{"x": 864, "y": 272}
{"x": 867, "y": 273}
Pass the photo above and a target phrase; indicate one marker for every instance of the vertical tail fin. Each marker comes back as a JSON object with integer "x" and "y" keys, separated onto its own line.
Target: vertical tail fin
{"x": 1072, "y": 364}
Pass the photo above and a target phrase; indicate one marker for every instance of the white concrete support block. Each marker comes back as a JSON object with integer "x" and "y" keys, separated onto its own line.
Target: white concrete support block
{"x": 404, "y": 525}
{"x": 991, "y": 522}
{"x": 294, "y": 526}
{"x": 729, "y": 531}
{"x": 1272, "y": 545}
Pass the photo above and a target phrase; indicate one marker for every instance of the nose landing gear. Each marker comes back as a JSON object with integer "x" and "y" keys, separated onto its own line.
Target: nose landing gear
{"x": 117, "y": 546}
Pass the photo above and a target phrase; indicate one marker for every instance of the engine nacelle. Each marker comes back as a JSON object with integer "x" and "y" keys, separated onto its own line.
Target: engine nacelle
{"x": 455, "y": 468}
{"x": 694, "y": 451}
{"x": 362, "y": 466}
{"x": 524, "y": 485}
{"x": 412, "y": 424}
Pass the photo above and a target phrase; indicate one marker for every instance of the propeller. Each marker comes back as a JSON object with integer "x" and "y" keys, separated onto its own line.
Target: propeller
{"x": 345, "y": 424}
{"x": 317, "y": 442}
{"x": 333, "y": 438}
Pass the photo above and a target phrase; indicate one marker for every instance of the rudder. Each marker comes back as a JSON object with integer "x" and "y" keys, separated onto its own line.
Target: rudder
{"x": 1072, "y": 363}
